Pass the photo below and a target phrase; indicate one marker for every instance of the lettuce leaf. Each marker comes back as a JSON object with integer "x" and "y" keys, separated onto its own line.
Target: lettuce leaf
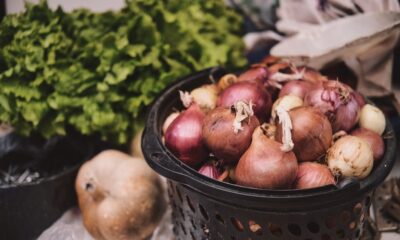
{"x": 97, "y": 72}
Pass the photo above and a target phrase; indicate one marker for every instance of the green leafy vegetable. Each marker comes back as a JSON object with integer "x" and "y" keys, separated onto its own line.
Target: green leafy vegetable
{"x": 97, "y": 72}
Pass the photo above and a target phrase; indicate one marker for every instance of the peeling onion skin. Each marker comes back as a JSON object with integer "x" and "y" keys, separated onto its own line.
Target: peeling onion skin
{"x": 219, "y": 136}
{"x": 183, "y": 137}
{"x": 265, "y": 165}
{"x": 311, "y": 133}
{"x": 281, "y": 66}
{"x": 374, "y": 140}
{"x": 342, "y": 112}
{"x": 313, "y": 175}
{"x": 350, "y": 156}
{"x": 247, "y": 91}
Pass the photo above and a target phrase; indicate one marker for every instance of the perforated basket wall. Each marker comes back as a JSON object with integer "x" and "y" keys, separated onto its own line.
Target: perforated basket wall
{"x": 197, "y": 217}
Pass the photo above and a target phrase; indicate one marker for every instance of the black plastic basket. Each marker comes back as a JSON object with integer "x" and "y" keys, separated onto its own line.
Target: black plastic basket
{"x": 204, "y": 208}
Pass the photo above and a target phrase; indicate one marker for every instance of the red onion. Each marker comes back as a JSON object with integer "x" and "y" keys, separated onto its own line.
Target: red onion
{"x": 210, "y": 170}
{"x": 171, "y": 117}
{"x": 183, "y": 136}
{"x": 225, "y": 136}
{"x": 248, "y": 92}
{"x": 373, "y": 139}
{"x": 337, "y": 101}
{"x": 313, "y": 175}
{"x": 311, "y": 133}
{"x": 257, "y": 73}
{"x": 265, "y": 165}
{"x": 360, "y": 99}
{"x": 298, "y": 88}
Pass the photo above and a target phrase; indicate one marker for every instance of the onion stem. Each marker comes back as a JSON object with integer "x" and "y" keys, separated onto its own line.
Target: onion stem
{"x": 286, "y": 122}
{"x": 284, "y": 77}
{"x": 186, "y": 99}
{"x": 243, "y": 111}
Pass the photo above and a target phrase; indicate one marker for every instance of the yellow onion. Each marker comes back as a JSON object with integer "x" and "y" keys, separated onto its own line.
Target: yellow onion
{"x": 205, "y": 96}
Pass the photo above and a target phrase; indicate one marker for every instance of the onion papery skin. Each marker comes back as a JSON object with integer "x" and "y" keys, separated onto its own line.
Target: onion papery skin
{"x": 219, "y": 136}
{"x": 313, "y": 175}
{"x": 342, "y": 112}
{"x": 184, "y": 139}
{"x": 248, "y": 92}
{"x": 350, "y": 156}
{"x": 265, "y": 165}
{"x": 374, "y": 140}
{"x": 311, "y": 133}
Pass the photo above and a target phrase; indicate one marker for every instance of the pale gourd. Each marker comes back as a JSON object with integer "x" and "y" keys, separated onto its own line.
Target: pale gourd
{"x": 120, "y": 197}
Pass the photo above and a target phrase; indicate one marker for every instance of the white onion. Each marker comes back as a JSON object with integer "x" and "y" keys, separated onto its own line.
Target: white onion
{"x": 372, "y": 118}
{"x": 287, "y": 102}
{"x": 350, "y": 156}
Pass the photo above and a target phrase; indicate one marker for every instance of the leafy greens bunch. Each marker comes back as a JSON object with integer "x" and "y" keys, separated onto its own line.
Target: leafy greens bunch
{"x": 96, "y": 72}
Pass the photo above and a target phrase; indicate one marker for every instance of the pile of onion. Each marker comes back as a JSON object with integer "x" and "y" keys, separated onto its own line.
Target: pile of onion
{"x": 276, "y": 126}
